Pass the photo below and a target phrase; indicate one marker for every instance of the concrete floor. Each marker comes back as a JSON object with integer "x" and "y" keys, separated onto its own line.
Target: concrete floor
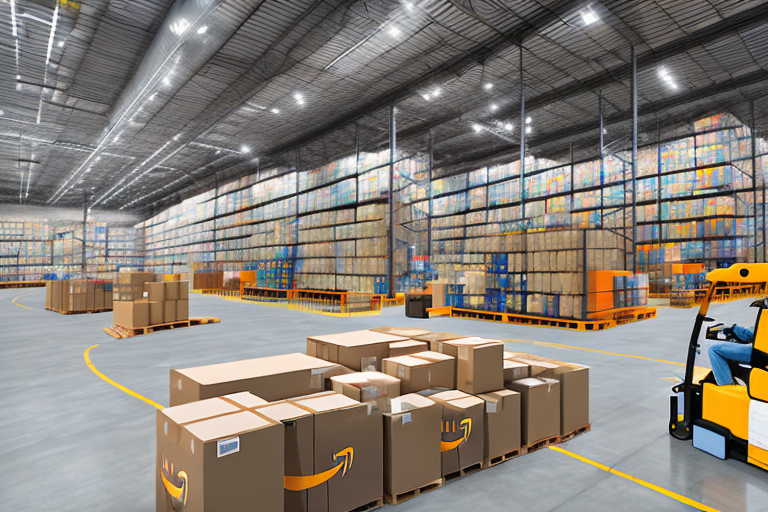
{"x": 70, "y": 441}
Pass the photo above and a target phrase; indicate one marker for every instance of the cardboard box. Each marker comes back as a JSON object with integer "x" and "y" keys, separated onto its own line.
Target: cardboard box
{"x": 574, "y": 395}
{"x": 155, "y": 291}
{"x": 438, "y": 295}
{"x": 436, "y": 338}
{"x": 212, "y": 455}
{"x": 170, "y": 311}
{"x": 358, "y": 350}
{"x": 183, "y": 290}
{"x": 463, "y": 430}
{"x": 182, "y": 310}
{"x": 419, "y": 373}
{"x": 502, "y": 423}
{"x": 411, "y": 444}
{"x": 377, "y": 389}
{"x": 404, "y": 332}
{"x": 272, "y": 378}
{"x": 479, "y": 364}
{"x": 298, "y": 448}
{"x": 540, "y": 408}
{"x": 349, "y": 439}
{"x": 404, "y": 348}
{"x": 515, "y": 370}
{"x": 171, "y": 290}
{"x": 98, "y": 303}
{"x": 156, "y": 313}
{"x": 131, "y": 314}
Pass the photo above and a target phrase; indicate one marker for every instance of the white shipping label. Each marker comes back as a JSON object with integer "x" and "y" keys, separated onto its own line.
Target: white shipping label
{"x": 406, "y": 418}
{"x": 401, "y": 372}
{"x": 227, "y": 446}
{"x": 758, "y": 424}
{"x": 464, "y": 353}
{"x": 490, "y": 407}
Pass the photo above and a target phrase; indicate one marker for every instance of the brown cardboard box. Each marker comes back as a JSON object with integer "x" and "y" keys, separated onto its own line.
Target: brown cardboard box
{"x": 479, "y": 364}
{"x": 463, "y": 430}
{"x": 404, "y": 348}
{"x": 169, "y": 314}
{"x": 156, "y": 313}
{"x": 131, "y": 314}
{"x": 411, "y": 444}
{"x": 211, "y": 455}
{"x": 171, "y": 290}
{"x": 502, "y": 423}
{"x": 348, "y": 436}
{"x": 574, "y": 395}
{"x": 374, "y": 388}
{"x": 438, "y": 295}
{"x": 298, "y": 447}
{"x": 540, "y": 408}
{"x": 515, "y": 370}
{"x": 272, "y": 378}
{"x": 436, "y": 338}
{"x": 108, "y": 300}
{"x": 155, "y": 291}
{"x": 182, "y": 310}
{"x": 404, "y": 332}
{"x": 418, "y": 373}
{"x": 358, "y": 350}
{"x": 183, "y": 290}
{"x": 98, "y": 303}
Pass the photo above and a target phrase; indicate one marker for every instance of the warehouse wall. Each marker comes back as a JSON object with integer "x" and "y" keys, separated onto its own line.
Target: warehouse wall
{"x": 41, "y": 213}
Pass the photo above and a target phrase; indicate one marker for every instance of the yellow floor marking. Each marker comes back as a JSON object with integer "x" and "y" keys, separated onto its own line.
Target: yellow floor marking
{"x": 673, "y": 379}
{"x": 548, "y": 344}
{"x": 653, "y": 487}
{"x": 87, "y": 357}
{"x": 20, "y": 305}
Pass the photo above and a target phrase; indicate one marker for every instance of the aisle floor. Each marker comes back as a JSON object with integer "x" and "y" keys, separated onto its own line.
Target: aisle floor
{"x": 70, "y": 441}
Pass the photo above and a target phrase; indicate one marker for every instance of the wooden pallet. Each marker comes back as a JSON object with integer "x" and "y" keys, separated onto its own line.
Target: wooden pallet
{"x": 493, "y": 461}
{"x": 544, "y": 443}
{"x": 474, "y": 468}
{"x": 405, "y": 496}
{"x": 120, "y": 332}
{"x": 21, "y": 284}
{"x": 78, "y": 312}
{"x": 369, "y": 506}
{"x": 578, "y": 431}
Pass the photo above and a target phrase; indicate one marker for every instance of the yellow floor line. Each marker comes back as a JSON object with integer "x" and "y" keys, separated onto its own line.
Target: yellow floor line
{"x": 653, "y": 487}
{"x": 20, "y": 305}
{"x": 548, "y": 344}
{"x": 87, "y": 357}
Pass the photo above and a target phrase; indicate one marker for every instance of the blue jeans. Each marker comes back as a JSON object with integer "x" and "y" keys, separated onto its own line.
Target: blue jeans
{"x": 722, "y": 352}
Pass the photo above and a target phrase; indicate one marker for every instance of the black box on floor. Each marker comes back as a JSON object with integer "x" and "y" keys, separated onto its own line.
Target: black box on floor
{"x": 416, "y": 305}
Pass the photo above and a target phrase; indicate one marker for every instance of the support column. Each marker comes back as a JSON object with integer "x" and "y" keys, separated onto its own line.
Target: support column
{"x": 215, "y": 215}
{"x": 391, "y": 205}
{"x": 296, "y": 212}
{"x": 634, "y": 160}
{"x": 85, "y": 234}
{"x": 429, "y": 195}
{"x": 752, "y": 130}
{"x": 602, "y": 164}
{"x": 522, "y": 141}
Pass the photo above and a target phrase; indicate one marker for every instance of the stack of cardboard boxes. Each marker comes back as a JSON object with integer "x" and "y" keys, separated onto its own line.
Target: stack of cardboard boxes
{"x": 144, "y": 302}
{"x": 78, "y": 296}
{"x": 357, "y": 424}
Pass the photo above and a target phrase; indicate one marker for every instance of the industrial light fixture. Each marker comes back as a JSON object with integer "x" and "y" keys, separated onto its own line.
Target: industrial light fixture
{"x": 180, "y": 26}
{"x": 528, "y": 129}
{"x": 202, "y": 30}
{"x": 494, "y": 107}
{"x": 508, "y": 127}
{"x": 394, "y": 31}
{"x": 528, "y": 120}
{"x": 589, "y": 17}
{"x": 152, "y": 97}
{"x": 664, "y": 75}
{"x": 299, "y": 98}
{"x": 275, "y": 111}
{"x": 437, "y": 92}
{"x": 166, "y": 81}
{"x": 488, "y": 86}
{"x": 477, "y": 128}
{"x": 60, "y": 44}
{"x": 245, "y": 149}
{"x": 427, "y": 96}
{"x": 408, "y": 6}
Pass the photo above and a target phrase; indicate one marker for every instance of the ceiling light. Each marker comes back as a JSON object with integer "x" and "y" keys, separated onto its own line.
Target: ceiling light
{"x": 427, "y": 97}
{"x": 202, "y": 30}
{"x": 589, "y": 17}
{"x": 663, "y": 73}
{"x": 245, "y": 150}
{"x": 166, "y": 81}
{"x": 408, "y": 6}
{"x": 437, "y": 92}
{"x": 528, "y": 120}
{"x": 299, "y": 98}
{"x": 508, "y": 127}
{"x": 152, "y": 98}
{"x": 494, "y": 107}
{"x": 18, "y": 77}
{"x": 528, "y": 129}
{"x": 60, "y": 44}
{"x": 176, "y": 137}
{"x": 275, "y": 111}
{"x": 488, "y": 86}
{"x": 180, "y": 26}
{"x": 477, "y": 127}
{"x": 395, "y": 32}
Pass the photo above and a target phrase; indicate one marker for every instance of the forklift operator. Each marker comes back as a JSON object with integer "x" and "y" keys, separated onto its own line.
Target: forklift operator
{"x": 738, "y": 348}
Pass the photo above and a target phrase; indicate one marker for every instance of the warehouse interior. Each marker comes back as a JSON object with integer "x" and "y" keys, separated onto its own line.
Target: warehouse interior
{"x": 456, "y": 207}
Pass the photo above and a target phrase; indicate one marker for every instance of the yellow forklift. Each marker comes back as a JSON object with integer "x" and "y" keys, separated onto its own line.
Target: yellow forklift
{"x": 726, "y": 421}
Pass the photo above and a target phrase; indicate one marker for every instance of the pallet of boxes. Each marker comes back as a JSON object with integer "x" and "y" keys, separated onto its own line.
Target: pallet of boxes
{"x": 76, "y": 296}
{"x": 142, "y": 305}
{"x": 364, "y": 417}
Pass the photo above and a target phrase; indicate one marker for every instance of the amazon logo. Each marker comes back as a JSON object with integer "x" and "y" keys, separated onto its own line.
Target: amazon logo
{"x": 465, "y": 426}
{"x": 343, "y": 461}
{"x": 176, "y": 485}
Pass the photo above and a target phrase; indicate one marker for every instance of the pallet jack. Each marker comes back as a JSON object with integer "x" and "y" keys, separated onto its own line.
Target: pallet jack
{"x": 726, "y": 421}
